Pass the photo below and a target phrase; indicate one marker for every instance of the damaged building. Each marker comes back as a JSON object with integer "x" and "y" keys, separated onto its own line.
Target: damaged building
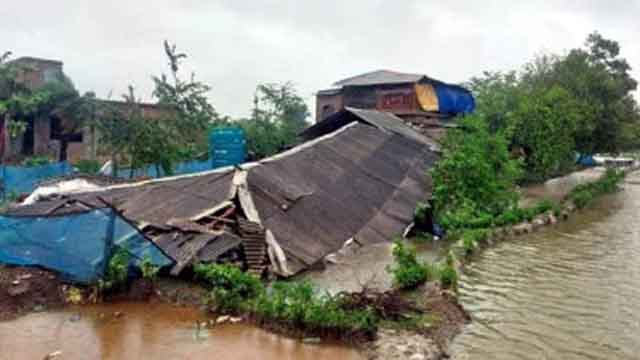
{"x": 426, "y": 104}
{"x": 357, "y": 178}
{"x": 53, "y": 135}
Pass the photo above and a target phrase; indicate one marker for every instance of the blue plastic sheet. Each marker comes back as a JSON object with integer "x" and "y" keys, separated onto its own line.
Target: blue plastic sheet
{"x": 77, "y": 246}
{"x": 20, "y": 179}
{"x": 454, "y": 99}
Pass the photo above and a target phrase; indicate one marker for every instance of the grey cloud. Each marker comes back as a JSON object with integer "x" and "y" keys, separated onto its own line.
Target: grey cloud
{"x": 233, "y": 45}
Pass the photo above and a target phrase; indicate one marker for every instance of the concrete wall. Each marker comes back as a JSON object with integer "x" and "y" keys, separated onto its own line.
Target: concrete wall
{"x": 327, "y": 105}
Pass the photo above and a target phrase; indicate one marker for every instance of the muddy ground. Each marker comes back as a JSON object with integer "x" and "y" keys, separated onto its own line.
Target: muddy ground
{"x": 447, "y": 320}
{"x": 24, "y": 290}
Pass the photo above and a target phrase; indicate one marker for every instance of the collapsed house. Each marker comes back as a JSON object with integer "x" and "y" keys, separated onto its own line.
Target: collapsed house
{"x": 357, "y": 178}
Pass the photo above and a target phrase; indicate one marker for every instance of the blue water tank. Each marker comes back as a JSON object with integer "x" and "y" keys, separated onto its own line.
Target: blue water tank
{"x": 227, "y": 146}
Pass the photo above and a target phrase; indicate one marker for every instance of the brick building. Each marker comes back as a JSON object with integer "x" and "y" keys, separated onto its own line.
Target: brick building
{"x": 53, "y": 135}
{"x": 425, "y": 103}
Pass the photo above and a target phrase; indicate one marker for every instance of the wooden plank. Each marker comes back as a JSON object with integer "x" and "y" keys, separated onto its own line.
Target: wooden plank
{"x": 188, "y": 252}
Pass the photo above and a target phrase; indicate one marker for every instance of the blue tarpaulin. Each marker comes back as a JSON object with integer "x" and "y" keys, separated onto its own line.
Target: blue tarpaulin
{"x": 21, "y": 179}
{"x": 227, "y": 146}
{"x": 454, "y": 99}
{"x": 77, "y": 246}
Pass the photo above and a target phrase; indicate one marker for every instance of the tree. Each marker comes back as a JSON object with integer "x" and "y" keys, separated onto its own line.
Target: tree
{"x": 191, "y": 113}
{"x": 558, "y": 105}
{"x": 475, "y": 176}
{"x": 278, "y": 115}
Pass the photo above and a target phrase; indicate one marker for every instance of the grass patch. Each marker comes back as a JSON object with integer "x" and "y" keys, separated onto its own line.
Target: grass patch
{"x": 584, "y": 194}
{"x": 292, "y": 306}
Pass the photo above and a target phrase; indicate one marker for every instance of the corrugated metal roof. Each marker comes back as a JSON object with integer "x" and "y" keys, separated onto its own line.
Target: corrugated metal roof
{"x": 382, "y": 120}
{"x": 380, "y": 77}
{"x": 360, "y": 181}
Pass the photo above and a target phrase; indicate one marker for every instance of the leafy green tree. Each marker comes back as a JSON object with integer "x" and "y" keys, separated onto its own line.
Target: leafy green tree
{"x": 544, "y": 123}
{"x": 557, "y": 105}
{"x": 475, "y": 176}
{"x": 279, "y": 114}
{"x": 191, "y": 113}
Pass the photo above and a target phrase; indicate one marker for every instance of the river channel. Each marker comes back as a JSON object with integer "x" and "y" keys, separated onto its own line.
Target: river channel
{"x": 571, "y": 291}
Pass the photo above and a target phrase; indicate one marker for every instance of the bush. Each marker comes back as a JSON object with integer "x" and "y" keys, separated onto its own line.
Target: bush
{"x": 299, "y": 305}
{"x": 291, "y": 304}
{"x": 407, "y": 272}
{"x": 471, "y": 239}
{"x": 583, "y": 194}
{"x": 230, "y": 287}
{"x": 475, "y": 178}
{"x": 148, "y": 269}
{"x": 447, "y": 273}
{"x": 90, "y": 167}
{"x": 36, "y": 161}
{"x": 117, "y": 272}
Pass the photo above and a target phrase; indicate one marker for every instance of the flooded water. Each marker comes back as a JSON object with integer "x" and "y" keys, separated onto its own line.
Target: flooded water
{"x": 149, "y": 331}
{"x": 569, "y": 292}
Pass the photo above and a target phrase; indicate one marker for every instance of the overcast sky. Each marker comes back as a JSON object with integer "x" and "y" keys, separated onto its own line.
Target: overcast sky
{"x": 236, "y": 44}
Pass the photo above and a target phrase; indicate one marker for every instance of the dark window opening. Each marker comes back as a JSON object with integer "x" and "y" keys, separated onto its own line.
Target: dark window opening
{"x": 58, "y": 132}
{"x": 28, "y": 138}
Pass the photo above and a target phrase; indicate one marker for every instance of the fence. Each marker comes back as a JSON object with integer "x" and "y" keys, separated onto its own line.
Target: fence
{"x": 227, "y": 146}
{"x": 19, "y": 179}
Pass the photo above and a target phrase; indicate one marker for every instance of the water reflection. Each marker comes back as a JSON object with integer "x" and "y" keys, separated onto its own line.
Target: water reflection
{"x": 568, "y": 292}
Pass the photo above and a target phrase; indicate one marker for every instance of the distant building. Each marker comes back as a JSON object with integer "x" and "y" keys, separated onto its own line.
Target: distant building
{"x": 419, "y": 100}
{"x": 52, "y": 135}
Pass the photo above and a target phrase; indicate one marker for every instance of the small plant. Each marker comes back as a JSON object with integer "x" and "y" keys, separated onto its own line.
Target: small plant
{"x": 148, "y": 269}
{"x": 36, "y": 161}
{"x": 90, "y": 167}
{"x": 117, "y": 272}
{"x": 583, "y": 194}
{"x": 471, "y": 239}
{"x": 447, "y": 273}
{"x": 407, "y": 272}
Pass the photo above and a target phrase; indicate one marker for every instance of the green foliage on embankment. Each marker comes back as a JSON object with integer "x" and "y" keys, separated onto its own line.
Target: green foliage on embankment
{"x": 408, "y": 272}
{"x": 295, "y": 306}
{"x": 583, "y": 194}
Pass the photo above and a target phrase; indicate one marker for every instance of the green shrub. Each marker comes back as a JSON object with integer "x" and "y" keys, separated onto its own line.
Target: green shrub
{"x": 117, "y": 272}
{"x": 471, "y": 239}
{"x": 91, "y": 167}
{"x": 583, "y": 194}
{"x": 475, "y": 178}
{"x": 36, "y": 161}
{"x": 148, "y": 269}
{"x": 299, "y": 305}
{"x": 447, "y": 273}
{"x": 407, "y": 272}
{"x": 230, "y": 287}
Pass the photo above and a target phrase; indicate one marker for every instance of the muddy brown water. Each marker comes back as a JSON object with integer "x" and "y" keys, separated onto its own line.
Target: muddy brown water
{"x": 569, "y": 292}
{"x": 149, "y": 331}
